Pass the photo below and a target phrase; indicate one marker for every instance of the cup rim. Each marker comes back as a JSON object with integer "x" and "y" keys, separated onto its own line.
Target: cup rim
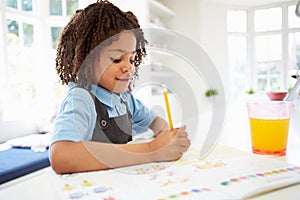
{"x": 269, "y": 102}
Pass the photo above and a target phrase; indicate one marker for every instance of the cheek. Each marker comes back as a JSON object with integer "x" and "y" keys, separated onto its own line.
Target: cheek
{"x": 97, "y": 73}
{"x": 99, "y": 69}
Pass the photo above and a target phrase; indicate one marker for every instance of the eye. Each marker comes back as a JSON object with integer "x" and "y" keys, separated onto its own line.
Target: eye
{"x": 132, "y": 59}
{"x": 115, "y": 60}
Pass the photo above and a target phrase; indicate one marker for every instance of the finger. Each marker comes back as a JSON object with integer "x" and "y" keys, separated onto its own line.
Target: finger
{"x": 186, "y": 144}
{"x": 182, "y": 127}
{"x": 182, "y": 134}
{"x": 183, "y": 142}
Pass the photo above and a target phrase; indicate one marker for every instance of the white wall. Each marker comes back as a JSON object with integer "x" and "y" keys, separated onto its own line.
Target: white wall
{"x": 187, "y": 17}
{"x": 205, "y": 23}
{"x": 213, "y": 36}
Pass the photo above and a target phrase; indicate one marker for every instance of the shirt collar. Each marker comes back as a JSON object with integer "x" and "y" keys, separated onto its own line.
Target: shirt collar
{"x": 106, "y": 97}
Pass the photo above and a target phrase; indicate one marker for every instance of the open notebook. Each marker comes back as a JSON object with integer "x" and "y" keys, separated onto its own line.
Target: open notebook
{"x": 225, "y": 174}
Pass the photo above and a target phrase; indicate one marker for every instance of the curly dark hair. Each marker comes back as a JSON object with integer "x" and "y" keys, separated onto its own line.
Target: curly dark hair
{"x": 81, "y": 37}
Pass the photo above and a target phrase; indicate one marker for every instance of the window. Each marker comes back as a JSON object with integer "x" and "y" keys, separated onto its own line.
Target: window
{"x": 268, "y": 49}
{"x": 237, "y": 21}
{"x": 23, "y": 5}
{"x": 272, "y": 39}
{"x": 55, "y": 31}
{"x": 29, "y": 85}
{"x": 268, "y": 62}
{"x": 267, "y": 19}
{"x": 294, "y": 42}
{"x": 20, "y": 51}
{"x": 63, "y": 7}
{"x": 293, "y": 20}
{"x": 237, "y": 49}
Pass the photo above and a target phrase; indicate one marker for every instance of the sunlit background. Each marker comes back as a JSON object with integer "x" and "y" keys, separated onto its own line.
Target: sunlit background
{"x": 262, "y": 50}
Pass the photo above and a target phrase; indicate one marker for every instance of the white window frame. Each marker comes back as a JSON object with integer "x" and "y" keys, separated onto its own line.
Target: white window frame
{"x": 42, "y": 21}
{"x": 251, "y": 34}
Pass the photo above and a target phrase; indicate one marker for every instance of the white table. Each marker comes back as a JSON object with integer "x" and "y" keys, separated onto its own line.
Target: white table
{"x": 38, "y": 185}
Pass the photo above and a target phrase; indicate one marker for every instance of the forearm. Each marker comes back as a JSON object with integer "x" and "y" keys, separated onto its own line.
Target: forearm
{"x": 70, "y": 157}
{"x": 158, "y": 125}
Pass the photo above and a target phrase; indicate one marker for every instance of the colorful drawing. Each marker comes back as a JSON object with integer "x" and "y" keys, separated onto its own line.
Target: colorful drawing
{"x": 210, "y": 164}
{"x": 235, "y": 177}
{"x": 191, "y": 192}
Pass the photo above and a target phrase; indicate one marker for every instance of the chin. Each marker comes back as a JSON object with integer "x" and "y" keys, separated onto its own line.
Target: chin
{"x": 120, "y": 90}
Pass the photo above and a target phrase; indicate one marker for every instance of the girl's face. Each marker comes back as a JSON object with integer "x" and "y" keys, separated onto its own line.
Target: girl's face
{"x": 115, "y": 67}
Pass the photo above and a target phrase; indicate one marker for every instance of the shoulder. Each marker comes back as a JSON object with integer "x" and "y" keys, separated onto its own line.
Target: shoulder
{"x": 80, "y": 94}
{"x": 78, "y": 97}
{"x": 78, "y": 91}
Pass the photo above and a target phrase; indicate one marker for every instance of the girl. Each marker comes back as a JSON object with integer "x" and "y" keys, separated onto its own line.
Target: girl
{"x": 98, "y": 57}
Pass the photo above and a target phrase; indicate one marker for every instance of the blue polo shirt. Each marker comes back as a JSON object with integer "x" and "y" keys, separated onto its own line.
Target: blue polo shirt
{"x": 77, "y": 117}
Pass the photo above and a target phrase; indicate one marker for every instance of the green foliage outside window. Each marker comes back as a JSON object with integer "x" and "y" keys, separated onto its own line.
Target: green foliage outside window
{"x": 12, "y": 4}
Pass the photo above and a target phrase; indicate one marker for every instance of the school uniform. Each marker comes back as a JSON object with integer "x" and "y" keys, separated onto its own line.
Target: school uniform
{"x": 99, "y": 115}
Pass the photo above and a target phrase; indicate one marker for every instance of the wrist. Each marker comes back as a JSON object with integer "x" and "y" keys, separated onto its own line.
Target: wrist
{"x": 151, "y": 151}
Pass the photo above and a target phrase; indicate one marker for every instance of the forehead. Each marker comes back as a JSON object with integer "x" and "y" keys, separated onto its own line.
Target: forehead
{"x": 125, "y": 43}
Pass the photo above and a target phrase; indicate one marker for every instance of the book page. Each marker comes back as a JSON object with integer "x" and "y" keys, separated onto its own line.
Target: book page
{"x": 225, "y": 174}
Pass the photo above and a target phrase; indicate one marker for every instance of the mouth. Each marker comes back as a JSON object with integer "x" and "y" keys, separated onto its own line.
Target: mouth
{"x": 124, "y": 79}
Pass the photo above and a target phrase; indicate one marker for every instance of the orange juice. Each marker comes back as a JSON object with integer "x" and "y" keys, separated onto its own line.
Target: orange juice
{"x": 269, "y": 136}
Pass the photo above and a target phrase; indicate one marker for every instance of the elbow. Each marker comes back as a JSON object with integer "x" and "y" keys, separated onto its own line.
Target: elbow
{"x": 57, "y": 165}
{"x": 72, "y": 157}
{"x": 59, "y": 161}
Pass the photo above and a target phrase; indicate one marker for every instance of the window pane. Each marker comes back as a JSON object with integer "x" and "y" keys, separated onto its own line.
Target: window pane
{"x": 19, "y": 102}
{"x": 13, "y": 27}
{"x": 275, "y": 84}
{"x": 261, "y": 48}
{"x": 274, "y": 45}
{"x": 268, "y": 48}
{"x": 72, "y": 6}
{"x": 275, "y": 67}
{"x": 237, "y": 58}
{"x": 268, "y": 62}
{"x": 294, "y": 50}
{"x": 12, "y": 3}
{"x": 27, "y": 5}
{"x": 55, "y": 32}
{"x": 28, "y": 34}
{"x": 237, "y": 21}
{"x": 274, "y": 19}
{"x": 294, "y": 56}
{"x": 268, "y": 76}
{"x": 237, "y": 50}
{"x": 262, "y": 68}
{"x": 268, "y": 19}
{"x": 260, "y": 20}
{"x": 294, "y": 21}
{"x": 261, "y": 84}
{"x": 55, "y": 7}
{"x": 13, "y": 31}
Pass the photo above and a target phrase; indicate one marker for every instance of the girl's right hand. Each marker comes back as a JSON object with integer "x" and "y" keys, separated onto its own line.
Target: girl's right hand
{"x": 170, "y": 145}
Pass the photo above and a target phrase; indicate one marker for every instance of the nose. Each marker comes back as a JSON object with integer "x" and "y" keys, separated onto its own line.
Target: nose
{"x": 127, "y": 66}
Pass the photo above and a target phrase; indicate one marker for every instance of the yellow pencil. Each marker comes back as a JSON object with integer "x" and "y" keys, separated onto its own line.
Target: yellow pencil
{"x": 165, "y": 92}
